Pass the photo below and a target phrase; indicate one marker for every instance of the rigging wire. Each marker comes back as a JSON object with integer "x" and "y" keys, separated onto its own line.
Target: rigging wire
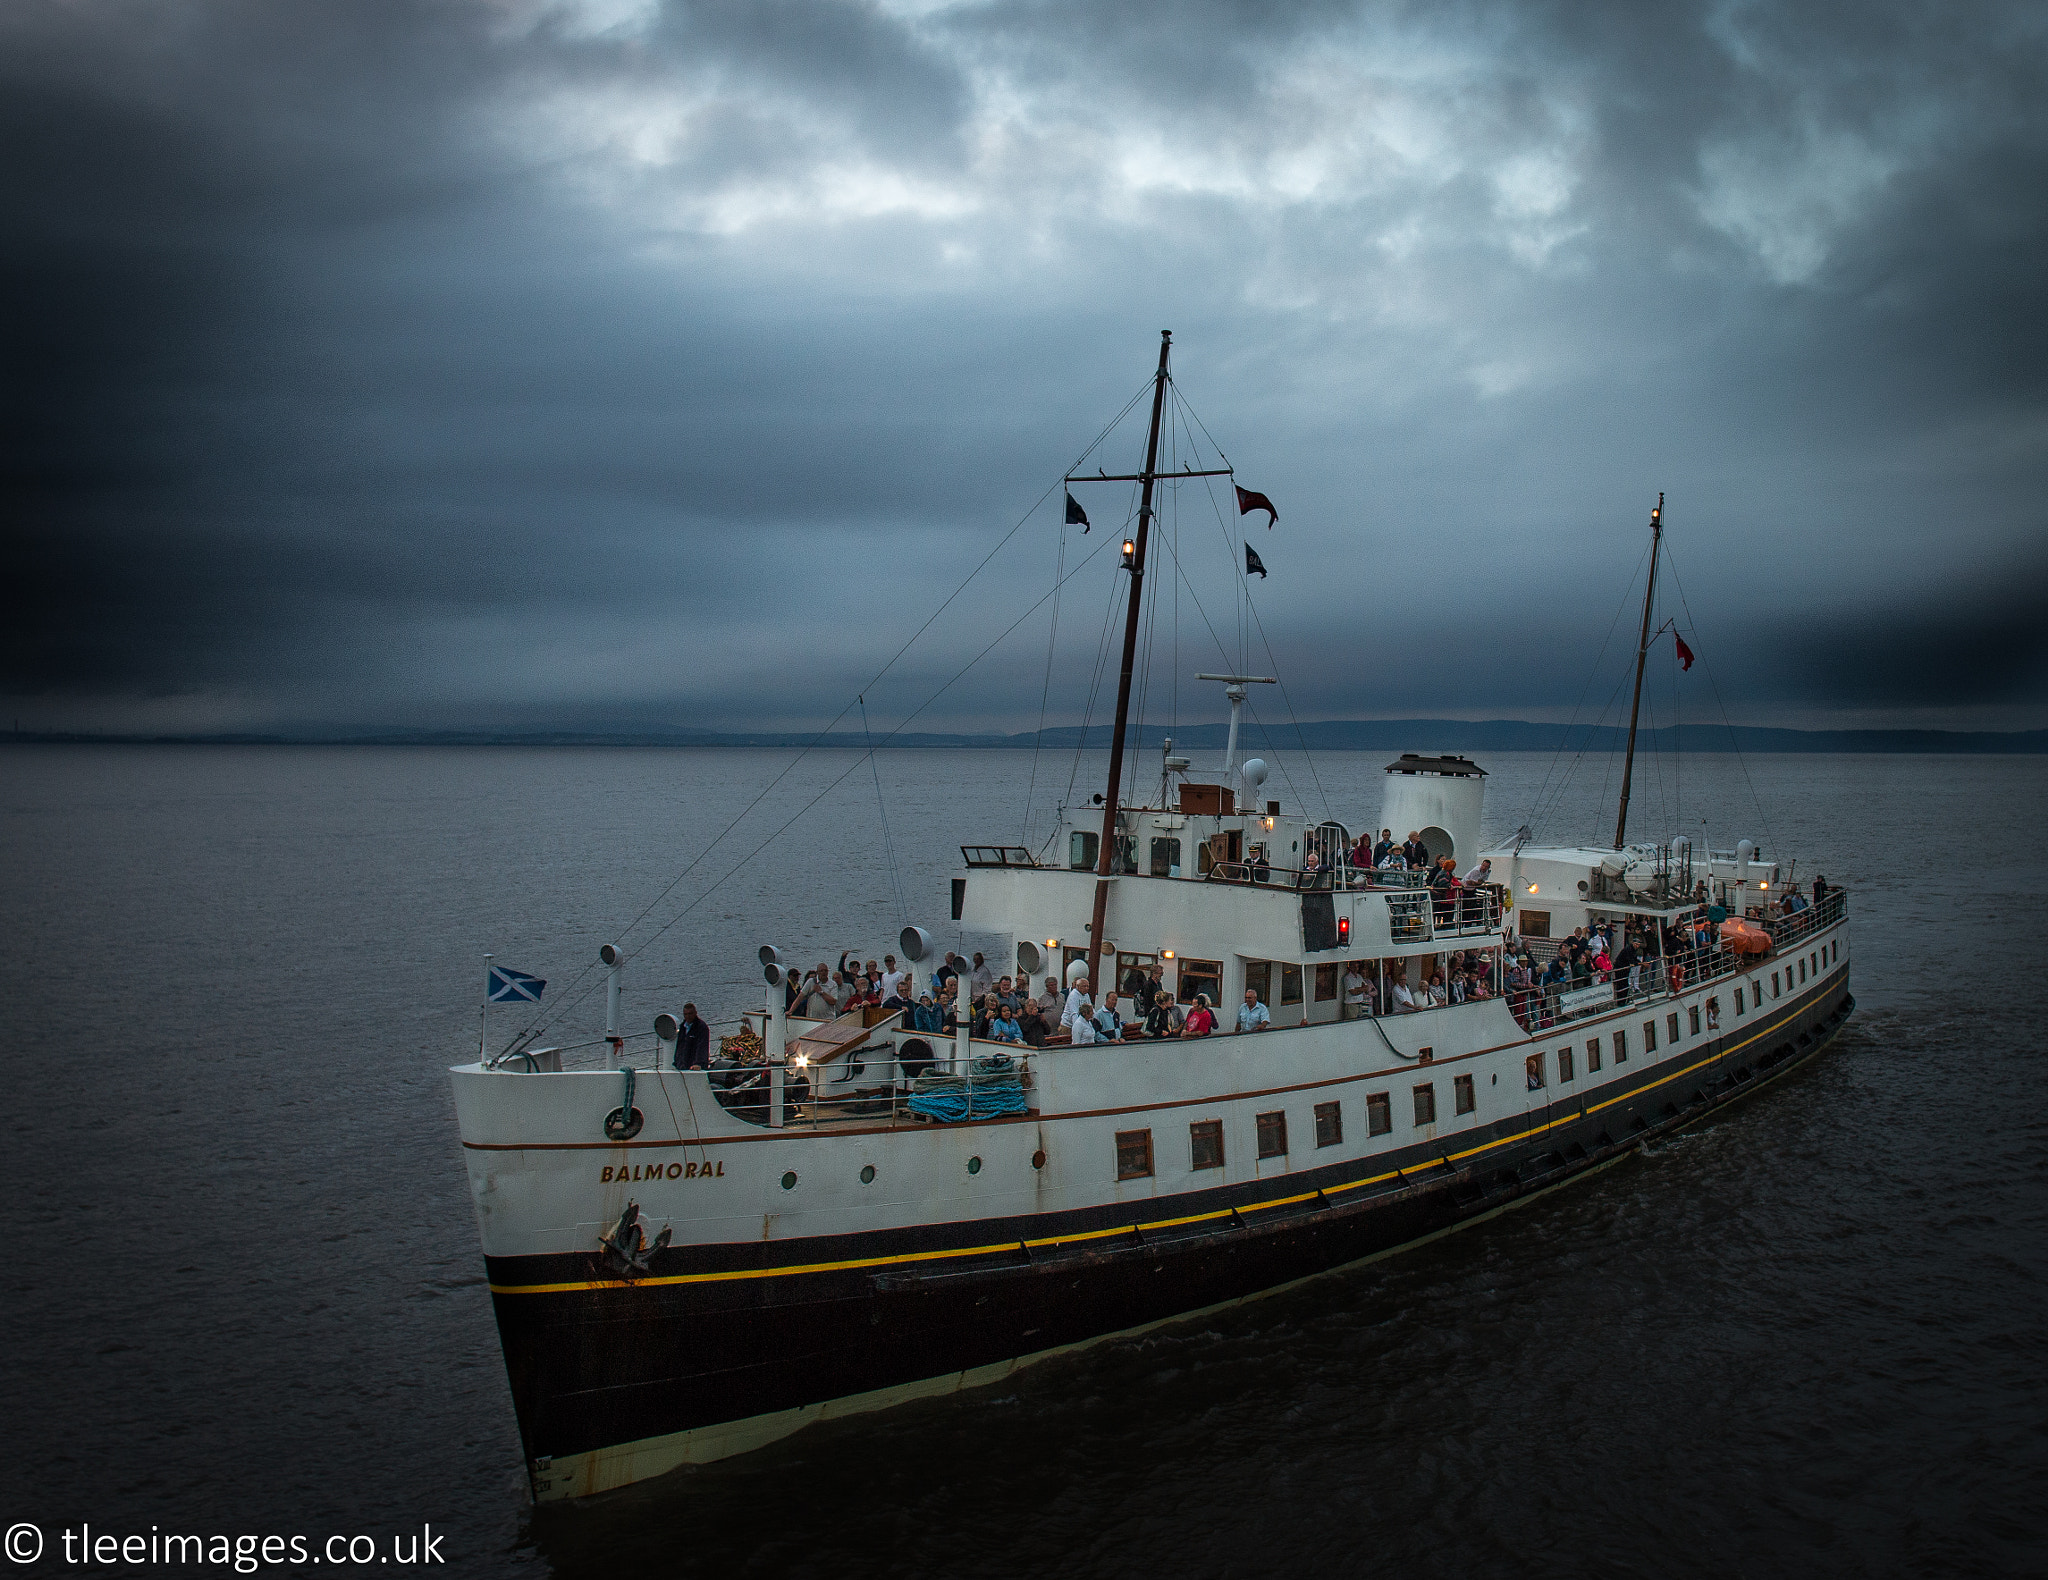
{"x": 581, "y": 984}
{"x": 882, "y": 808}
{"x": 1740, "y": 761}
{"x": 1045, "y": 691}
{"x": 793, "y": 818}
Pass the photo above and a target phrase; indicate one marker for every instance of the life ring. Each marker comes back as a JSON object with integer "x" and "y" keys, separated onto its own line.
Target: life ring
{"x": 1677, "y": 977}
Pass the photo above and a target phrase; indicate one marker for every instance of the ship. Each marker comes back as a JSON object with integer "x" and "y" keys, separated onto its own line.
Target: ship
{"x": 853, "y": 1211}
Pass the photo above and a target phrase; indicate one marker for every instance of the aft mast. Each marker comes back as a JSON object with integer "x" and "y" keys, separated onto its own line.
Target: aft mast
{"x": 1628, "y": 766}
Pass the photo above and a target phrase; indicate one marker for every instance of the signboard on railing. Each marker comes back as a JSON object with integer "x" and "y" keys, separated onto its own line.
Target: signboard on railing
{"x": 1599, "y": 995}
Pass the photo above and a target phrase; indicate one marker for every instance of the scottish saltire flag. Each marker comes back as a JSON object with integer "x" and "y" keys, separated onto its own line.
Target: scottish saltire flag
{"x": 506, "y": 986}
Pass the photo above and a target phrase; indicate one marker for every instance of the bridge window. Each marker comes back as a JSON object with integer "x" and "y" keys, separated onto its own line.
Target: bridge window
{"x": 1205, "y": 1144}
{"x": 1200, "y": 976}
{"x": 1165, "y": 858}
{"x": 1273, "y": 1134}
{"x": 1133, "y": 1154}
{"x": 1258, "y": 976}
{"x": 1425, "y": 1104}
{"x": 1290, "y": 984}
{"x": 1329, "y": 1124}
{"x": 1379, "y": 1113}
{"x": 1326, "y": 983}
{"x": 1461, "y": 1087}
{"x": 1082, "y": 847}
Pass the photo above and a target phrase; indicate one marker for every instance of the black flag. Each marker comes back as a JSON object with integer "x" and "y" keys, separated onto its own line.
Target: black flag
{"x": 1253, "y": 565}
{"x": 1249, "y": 500}
{"x": 1076, "y": 516}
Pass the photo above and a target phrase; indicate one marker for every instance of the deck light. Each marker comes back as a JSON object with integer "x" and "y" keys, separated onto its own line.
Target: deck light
{"x": 1130, "y": 552}
{"x": 1533, "y": 889}
{"x": 1052, "y": 943}
{"x": 1166, "y": 954}
{"x": 1765, "y": 885}
{"x": 1343, "y": 929}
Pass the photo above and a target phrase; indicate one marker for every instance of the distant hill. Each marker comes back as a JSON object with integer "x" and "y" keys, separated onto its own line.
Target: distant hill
{"x": 1342, "y": 735}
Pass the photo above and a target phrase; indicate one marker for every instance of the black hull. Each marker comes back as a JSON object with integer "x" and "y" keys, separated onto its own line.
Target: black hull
{"x": 596, "y": 1368}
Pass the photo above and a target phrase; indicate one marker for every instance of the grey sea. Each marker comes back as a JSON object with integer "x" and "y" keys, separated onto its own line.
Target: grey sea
{"x": 244, "y": 1295}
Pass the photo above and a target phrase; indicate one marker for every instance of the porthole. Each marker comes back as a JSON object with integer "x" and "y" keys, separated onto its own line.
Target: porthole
{"x": 789, "y": 1181}
{"x": 1038, "y": 1160}
{"x": 867, "y": 1174}
{"x": 974, "y": 1165}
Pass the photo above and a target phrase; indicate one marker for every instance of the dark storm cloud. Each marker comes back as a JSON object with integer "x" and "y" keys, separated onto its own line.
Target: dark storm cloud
{"x": 443, "y": 361}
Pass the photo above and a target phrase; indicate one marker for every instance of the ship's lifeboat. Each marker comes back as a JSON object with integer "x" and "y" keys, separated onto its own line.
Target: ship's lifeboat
{"x": 1744, "y": 938}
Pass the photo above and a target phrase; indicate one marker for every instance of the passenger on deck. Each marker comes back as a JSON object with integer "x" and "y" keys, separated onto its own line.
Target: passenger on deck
{"x": 1628, "y": 970}
{"x": 1386, "y": 844}
{"x": 1159, "y": 1018}
{"x": 1031, "y": 1024}
{"x": 1400, "y": 999}
{"x": 1438, "y": 994}
{"x": 987, "y": 1009}
{"x": 1109, "y": 1025}
{"x": 1081, "y": 1030}
{"x": 1006, "y": 994}
{"x": 1077, "y": 996}
{"x": 981, "y": 976}
{"x": 1483, "y": 873}
{"x": 1820, "y": 889}
{"x": 1251, "y": 1014}
{"x": 946, "y": 972}
{"x": 693, "y": 1041}
{"x": 892, "y": 979}
{"x": 1352, "y": 1002}
{"x": 1392, "y": 859}
{"x": 1006, "y": 1028}
{"x": 1201, "y": 1019}
{"x": 1361, "y": 853}
{"x": 1052, "y": 995}
{"x": 1415, "y": 851}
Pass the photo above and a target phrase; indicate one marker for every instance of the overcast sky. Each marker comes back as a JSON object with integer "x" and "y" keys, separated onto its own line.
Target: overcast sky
{"x": 586, "y": 364}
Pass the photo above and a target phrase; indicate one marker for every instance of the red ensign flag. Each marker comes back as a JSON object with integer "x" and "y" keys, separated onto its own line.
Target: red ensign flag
{"x": 1684, "y": 652}
{"x": 1248, "y": 501}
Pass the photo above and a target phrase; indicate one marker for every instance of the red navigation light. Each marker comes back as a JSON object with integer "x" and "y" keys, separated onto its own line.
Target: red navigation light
{"x": 1343, "y": 929}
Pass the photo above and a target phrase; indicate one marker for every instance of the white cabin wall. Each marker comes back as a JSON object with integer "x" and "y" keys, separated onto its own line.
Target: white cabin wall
{"x": 1453, "y": 803}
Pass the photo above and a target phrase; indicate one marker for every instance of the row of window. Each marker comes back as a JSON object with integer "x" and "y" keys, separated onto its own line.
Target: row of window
{"x": 1259, "y": 974}
{"x": 1205, "y": 1136}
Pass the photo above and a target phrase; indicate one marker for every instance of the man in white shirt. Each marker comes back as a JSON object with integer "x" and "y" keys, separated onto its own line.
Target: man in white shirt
{"x": 1354, "y": 989}
{"x": 1251, "y": 1014}
{"x": 1077, "y": 995}
{"x": 1483, "y": 873}
{"x": 1404, "y": 1001}
{"x": 892, "y": 979}
{"x": 982, "y": 978}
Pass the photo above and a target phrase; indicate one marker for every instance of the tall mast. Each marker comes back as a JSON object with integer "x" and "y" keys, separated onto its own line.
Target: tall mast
{"x": 1106, "y": 851}
{"x": 1628, "y": 766}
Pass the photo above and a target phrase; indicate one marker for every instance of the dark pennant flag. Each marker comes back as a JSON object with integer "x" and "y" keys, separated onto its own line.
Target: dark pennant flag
{"x": 1253, "y": 565}
{"x": 1684, "y": 652}
{"x": 1076, "y": 516}
{"x": 1249, "y": 500}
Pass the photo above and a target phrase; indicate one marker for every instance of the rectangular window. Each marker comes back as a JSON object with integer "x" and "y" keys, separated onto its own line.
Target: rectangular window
{"x": 1621, "y": 1047}
{"x": 1200, "y": 976}
{"x": 1738, "y": 1001}
{"x": 1290, "y": 984}
{"x": 1379, "y": 1113}
{"x": 1649, "y": 1036}
{"x": 1774, "y": 984}
{"x": 1258, "y": 976}
{"x": 1081, "y": 850}
{"x": 1533, "y": 924}
{"x": 1273, "y": 1135}
{"x": 1326, "y": 983}
{"x": 1165, "y": 858}
{"x": 1466, "y": 1099}
{"x": 1133, "y": 1154}
{"x": 1425, "y": 1104}
{"x": 1205, "y": 1144}
{"x": 1835, "y": 949}
{"x": 1564, "y": 1065}
{"x": 1592, "y": 1054}
{"x": 1802, "y": 970}
{"x": 1329, "y": 1124}
{"x": 1692, "y": 1019}
{"x": 1671, "y": 1024}
{"x": 1534, "y": 1066}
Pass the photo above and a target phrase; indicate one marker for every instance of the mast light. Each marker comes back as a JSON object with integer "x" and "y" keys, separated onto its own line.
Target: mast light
{"x": 1130, "y": 552}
